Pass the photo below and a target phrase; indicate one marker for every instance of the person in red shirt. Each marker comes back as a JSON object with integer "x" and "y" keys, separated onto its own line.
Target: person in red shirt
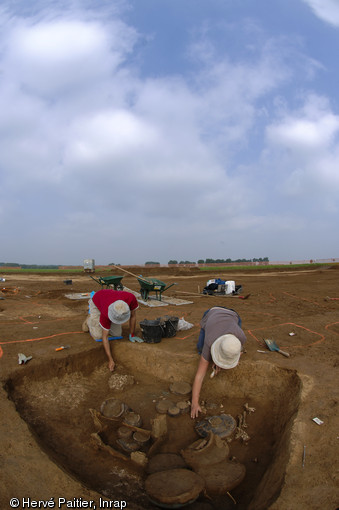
{"x": 108, "y": 310}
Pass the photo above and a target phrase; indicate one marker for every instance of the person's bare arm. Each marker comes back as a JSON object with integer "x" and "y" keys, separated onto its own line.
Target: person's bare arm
{"x": 107, "y": 347}
{"x": 197, "y": 384}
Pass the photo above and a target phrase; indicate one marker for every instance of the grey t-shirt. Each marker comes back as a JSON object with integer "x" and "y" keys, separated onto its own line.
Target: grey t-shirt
{"x": 217, "y": 322}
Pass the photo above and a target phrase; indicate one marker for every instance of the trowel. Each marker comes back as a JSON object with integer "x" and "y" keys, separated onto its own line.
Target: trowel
{"x": 273, "y": 347}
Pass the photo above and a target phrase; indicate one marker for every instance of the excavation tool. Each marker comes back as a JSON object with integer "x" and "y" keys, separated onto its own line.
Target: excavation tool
{"x": 273, "y": 347}
{"x": 149, "y": 284}
{"x": 63, "y": 347}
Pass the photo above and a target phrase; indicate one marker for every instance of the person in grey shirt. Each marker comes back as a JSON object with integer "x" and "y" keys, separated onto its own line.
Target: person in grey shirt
{"x": 220, "y": 341}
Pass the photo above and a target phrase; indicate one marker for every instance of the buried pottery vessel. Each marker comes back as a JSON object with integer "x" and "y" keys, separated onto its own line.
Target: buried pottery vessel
{"x": 174, "y": 487}
{"x": 223, "y": 426}
{"x": 113, "y": 408}
{"x": 164, "y": 462}
{"x": 205, "y": 452}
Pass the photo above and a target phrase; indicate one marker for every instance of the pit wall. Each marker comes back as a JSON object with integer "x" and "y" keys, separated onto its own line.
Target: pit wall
{"x": 279, "y": 388}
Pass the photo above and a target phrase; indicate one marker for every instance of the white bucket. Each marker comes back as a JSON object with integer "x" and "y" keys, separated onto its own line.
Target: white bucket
{"x": 229, "y": 287}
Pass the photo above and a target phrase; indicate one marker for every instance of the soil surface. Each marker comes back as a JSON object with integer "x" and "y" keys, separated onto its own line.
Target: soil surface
{"x": 47, "y": 452}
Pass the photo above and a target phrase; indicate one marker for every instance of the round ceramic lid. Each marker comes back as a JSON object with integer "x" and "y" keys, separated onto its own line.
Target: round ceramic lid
{"x": 174, "y": 411}
{"x": 175, "y": 486}
{"x": 124, "y": 432}
{"x": 133, "y": 419}
{"x": 141, "y": 437}
{"x": 163, "y": 405}
{"x": 180, "y": 388}
{"x": 183, "y": 406}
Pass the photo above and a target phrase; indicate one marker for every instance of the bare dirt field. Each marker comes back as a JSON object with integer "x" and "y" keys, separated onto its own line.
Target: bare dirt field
{"x": 53, "y": 451}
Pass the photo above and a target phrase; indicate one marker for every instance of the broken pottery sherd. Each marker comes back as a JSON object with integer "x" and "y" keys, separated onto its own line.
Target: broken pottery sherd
{"x": 159, "y": 426}
{"x": 139, "y": 458}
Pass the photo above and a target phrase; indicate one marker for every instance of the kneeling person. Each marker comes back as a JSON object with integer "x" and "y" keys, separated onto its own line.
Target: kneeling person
{"x": 108, "y": 309}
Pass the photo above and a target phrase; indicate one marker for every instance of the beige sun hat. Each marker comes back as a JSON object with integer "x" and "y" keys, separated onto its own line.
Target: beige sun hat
{"x": 119, "y": 312}
{"x": 225, "y": 351}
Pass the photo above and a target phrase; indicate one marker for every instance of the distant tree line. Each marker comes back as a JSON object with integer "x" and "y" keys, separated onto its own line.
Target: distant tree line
{"x": 181, "y": 262}
{"x": 229, "y": 261}
{"x": 219, "y": 261}
{"x": 28, "y": 266}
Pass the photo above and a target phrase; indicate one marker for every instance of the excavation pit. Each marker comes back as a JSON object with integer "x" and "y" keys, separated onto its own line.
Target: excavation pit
{"x": 55, "y": 399}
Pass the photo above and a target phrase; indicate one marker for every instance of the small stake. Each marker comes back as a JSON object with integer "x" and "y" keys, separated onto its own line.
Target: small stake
{"x": 304, "y": 456}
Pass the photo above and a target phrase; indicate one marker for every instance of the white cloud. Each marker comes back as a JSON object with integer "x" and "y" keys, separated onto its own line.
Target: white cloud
{"x": 109, "y": 134}
{"x": 53, "y": 57}
{"x": 93, "y": 149}
{"x": 305, "y": 143}
{"x": 306, "y": 130}
{"x": 327, "y": 10}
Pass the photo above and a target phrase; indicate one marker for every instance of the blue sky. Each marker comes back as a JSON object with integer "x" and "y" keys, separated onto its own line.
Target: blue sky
{"x": 168, "y": 129}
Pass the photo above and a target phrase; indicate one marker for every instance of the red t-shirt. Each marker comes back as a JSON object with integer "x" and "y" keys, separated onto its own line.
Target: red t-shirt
{"x": 105, "y": 297}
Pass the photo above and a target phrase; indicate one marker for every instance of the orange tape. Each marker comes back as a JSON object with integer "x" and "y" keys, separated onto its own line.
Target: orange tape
{"x": 331, "y": 324}
{"x": 322, "y": 337}
{"x": 42, "y": 338}
{"x": 304, "y": 299}
{"x": 35, "y": 339}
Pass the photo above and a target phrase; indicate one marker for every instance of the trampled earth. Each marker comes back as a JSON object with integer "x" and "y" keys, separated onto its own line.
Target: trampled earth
{"x": 53, "y": 449}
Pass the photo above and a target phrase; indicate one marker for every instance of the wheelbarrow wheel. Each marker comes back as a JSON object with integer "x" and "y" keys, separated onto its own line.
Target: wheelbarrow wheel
{"x": 144, "y": 294}
{"x": 120, "y": 287}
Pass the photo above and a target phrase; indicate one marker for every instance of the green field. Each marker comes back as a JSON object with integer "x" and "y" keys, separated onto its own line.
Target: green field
{"x": 108, "y": 269}
{"x": 263, "y": 268}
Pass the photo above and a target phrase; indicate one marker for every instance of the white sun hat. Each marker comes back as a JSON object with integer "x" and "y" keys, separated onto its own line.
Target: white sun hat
{"x": 119, "y": 312}
{"x": 225, "y": 351}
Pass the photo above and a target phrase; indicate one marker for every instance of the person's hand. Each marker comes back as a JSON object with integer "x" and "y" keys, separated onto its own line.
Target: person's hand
{"x": 111, "y": 365}
{"x": 135, "y": 339}
{"x": 195, "y": 408}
